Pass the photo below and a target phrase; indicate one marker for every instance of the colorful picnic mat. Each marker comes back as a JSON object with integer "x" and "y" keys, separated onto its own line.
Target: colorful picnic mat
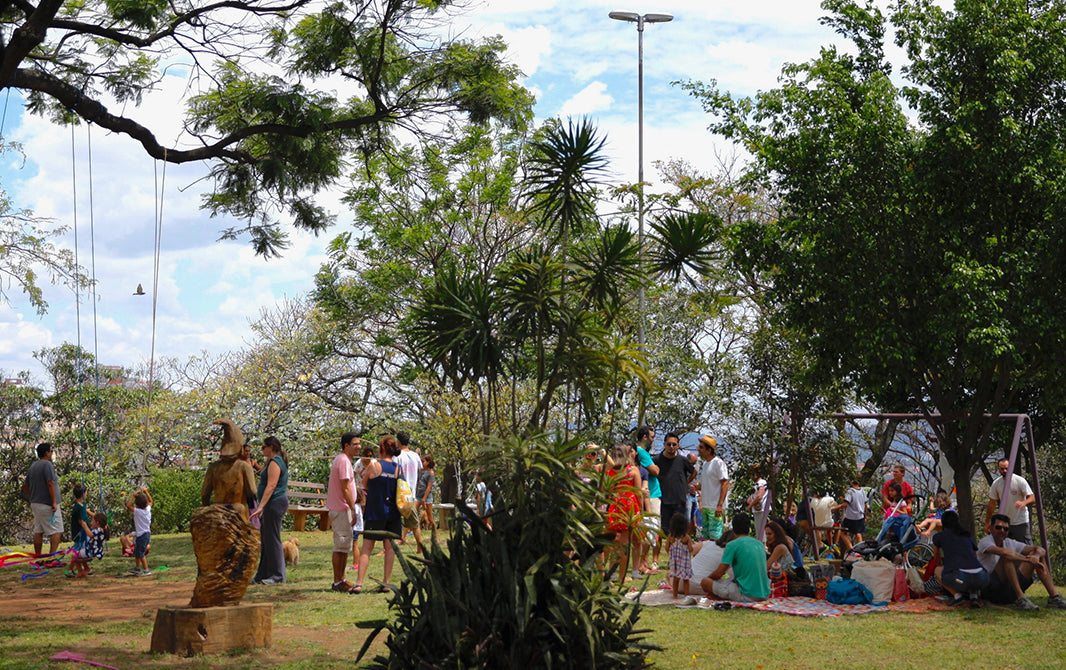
{"x": 796, "y": 606}
{"x": 799, "y": 606}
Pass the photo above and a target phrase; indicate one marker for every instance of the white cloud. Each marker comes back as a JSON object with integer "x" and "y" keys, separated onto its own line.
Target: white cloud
{"x": 577, "y": 62}
{"x": 592, "y": 98}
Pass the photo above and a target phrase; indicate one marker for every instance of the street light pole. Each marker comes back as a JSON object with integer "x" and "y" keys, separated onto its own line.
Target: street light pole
{"x": 640, "y": 20}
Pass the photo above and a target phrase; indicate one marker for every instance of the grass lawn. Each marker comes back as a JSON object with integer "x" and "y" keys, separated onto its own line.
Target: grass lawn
{"x": 109, "y": 620}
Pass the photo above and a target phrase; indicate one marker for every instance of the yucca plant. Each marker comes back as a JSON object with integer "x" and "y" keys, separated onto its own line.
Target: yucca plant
{"x": 526, "y": 594}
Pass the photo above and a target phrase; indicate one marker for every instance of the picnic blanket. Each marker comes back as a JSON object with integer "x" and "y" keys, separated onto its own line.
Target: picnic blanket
{"x": 800, "y": 606}
{"x": 796, "y": 606}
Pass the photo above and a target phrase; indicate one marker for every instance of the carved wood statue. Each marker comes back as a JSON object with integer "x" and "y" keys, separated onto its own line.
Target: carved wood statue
{"x": 225, "y": 543}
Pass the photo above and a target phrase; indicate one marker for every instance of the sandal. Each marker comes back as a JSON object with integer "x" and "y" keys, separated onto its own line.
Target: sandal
{"x": 382, "y": 589}
{"x": 356, "y": 590}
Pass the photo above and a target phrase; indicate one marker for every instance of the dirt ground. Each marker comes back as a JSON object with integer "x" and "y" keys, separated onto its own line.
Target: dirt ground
{"x": 105, "y": 601}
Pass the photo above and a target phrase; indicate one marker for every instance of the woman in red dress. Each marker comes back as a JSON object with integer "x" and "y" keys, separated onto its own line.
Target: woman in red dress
{"x": 623, "y": 513}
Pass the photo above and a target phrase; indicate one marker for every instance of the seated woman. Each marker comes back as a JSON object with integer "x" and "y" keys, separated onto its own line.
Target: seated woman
{"x": 959, "y": 569}
{"x": 706, "y": 559}
{"x": 779, "y": 546}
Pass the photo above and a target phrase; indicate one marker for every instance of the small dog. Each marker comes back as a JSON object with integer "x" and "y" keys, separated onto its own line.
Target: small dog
{"x": 291, "y": 548}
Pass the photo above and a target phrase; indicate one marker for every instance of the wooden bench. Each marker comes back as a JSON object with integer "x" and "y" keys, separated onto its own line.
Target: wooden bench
{"x": 307, "y": 498}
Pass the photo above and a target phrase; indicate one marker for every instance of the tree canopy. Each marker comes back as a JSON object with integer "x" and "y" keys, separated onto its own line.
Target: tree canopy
{"x": 919, "y": 244}
{"x": 283, "y": 94}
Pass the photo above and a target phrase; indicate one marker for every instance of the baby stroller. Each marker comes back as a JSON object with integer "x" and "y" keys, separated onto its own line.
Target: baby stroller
{"x": 899, "y": 541}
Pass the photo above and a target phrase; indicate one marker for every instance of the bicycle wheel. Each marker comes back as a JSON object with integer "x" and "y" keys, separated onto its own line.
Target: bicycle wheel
{"x": 919, "y": 555}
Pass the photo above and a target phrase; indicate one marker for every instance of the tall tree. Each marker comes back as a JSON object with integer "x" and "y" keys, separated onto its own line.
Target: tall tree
{"x": 28, "y": 252}
{"x": 921, "y": 256}
{"x": 264, "y": 77}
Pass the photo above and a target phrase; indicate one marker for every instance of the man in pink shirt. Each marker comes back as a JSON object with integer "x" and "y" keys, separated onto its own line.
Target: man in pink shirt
{"x": 340, "y": 501}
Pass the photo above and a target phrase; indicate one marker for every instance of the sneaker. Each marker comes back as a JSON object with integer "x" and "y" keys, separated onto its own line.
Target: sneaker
{"x": 1025, "y": 604}
{"x": 145, "y": 572}
{"x": 1056, "y": 602}
{"x": 958, "y": 601}
{"x": 976, "y": 602}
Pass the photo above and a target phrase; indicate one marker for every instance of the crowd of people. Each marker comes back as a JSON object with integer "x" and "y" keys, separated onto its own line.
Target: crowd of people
{"x": 687, "y": 495}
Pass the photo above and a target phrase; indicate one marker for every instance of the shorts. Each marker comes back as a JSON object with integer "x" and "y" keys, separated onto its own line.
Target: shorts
{"x": 411, "y": 521}
{"x": 855, "y": 526}
{"x": 728, "y": 589}
{"x": 391, "y": 525}
{"x": 668, "y": 512}
{"x": 1020, "y": 532}
{"x": 655, "y": 505}
{"x": 45, "y": 520}
{"x": 967, "y": 582}
{"x": 1000, "y": 592}
{"x": 140, "y": 545}
{"x": 341, "y": 523}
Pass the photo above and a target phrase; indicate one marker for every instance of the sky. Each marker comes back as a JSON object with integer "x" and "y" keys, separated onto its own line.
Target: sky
{"x": 576, "y": 60}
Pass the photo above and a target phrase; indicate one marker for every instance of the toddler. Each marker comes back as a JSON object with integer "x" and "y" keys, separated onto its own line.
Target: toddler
{"x": 140, "y": 503}
{"x": 941, "y": 504}
{"x": 680, "y": 549}
{"x": 93, "y": 547}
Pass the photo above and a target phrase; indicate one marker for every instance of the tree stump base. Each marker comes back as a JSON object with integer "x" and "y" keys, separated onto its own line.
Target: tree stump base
{"x": 189, "y": 631}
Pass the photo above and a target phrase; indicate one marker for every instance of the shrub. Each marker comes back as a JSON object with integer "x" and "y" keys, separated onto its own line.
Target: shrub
{"x": 176, "y": 493}
{"x": 525, "y": 594}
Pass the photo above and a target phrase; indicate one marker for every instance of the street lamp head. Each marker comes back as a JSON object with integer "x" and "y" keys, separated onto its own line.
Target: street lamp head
{"x": 658, "y": 18}
{"x": 625, "y": 16}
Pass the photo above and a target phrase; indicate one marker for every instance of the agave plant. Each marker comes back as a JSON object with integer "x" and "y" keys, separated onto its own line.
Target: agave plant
{"x": 525, "y": 594}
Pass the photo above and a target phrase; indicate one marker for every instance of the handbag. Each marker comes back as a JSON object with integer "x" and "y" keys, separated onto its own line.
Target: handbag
{"x": 405, "y": 499}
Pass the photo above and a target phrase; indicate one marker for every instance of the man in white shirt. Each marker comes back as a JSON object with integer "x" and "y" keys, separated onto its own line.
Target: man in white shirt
{"x": 1019, "y": 497}
{"x": 409, "y": 464}
{"x": 1011, "y": 565}
{"x": 713, "y": 484}
{"x": 823, "y": 516}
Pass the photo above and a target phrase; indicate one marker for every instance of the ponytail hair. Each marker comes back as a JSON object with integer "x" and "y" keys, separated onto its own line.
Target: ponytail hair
{"x": 275, "y": 444}
{"x": 388, "y": 446}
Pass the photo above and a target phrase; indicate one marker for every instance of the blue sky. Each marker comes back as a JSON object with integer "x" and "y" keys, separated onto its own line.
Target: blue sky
{"x": 577, "y": 61}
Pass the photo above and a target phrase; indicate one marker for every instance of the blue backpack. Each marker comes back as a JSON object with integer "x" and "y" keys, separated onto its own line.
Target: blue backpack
{"x": 848, "y": 592}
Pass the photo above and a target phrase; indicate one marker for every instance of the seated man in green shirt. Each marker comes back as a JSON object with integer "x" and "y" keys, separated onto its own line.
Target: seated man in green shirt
{"x": 747, "y": 557}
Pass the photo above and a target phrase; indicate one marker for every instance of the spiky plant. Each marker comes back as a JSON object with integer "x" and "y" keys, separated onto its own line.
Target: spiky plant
{"x": 525, "y": 594}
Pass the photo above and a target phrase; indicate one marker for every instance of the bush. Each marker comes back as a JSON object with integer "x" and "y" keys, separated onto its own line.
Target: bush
{"x": 176, "y": 493}
{"x": 525, "y": 594}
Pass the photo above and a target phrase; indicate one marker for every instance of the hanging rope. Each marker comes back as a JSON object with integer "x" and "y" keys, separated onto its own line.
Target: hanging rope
{"x": 96, "y": 338}
{"x": 3, "y": 121}
{"x": 160, "y": 184}
{"x": 77, "y": 308}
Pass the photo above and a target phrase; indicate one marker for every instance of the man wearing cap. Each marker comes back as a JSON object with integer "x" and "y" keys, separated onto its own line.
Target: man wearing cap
{"x": 713, "y": 483}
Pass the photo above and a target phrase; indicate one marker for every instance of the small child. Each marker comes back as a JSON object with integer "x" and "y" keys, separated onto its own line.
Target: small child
{"x": 894, "y": 505}
{"x": 425, "y": 492}
{"x": 93, "y": 548}
{"x": 357, "y": 524}
{"x": 941, "y": 504}
{"x": 680, "y": 550}
{"x": 79, "y": 518}
{"x": 140, "y": 503}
